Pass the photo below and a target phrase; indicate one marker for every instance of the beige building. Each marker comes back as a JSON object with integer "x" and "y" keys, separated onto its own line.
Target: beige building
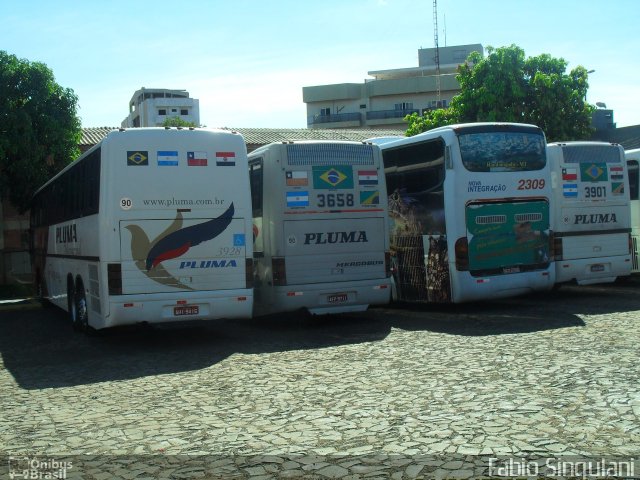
{"x": 150, "y": 107}
{"x": 384, "y": 100}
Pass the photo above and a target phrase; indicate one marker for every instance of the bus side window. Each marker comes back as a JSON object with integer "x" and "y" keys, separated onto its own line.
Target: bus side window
{"x": 634, "y": 178}
{"x": 418, "y": 168}
{"x": 255, "y": 179}
{"x": 415, "y": 177}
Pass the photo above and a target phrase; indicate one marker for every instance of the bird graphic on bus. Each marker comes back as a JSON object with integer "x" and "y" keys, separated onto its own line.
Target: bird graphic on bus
{"x": 178, "y": 243}
{"x": 173, "y": 242}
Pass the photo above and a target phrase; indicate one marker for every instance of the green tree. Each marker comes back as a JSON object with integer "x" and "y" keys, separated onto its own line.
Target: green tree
{"x": 430, "y": 119}
{"x": 177, "y": 122}
{"x": 39, "y": 128}
{"x": 507, "y": 87}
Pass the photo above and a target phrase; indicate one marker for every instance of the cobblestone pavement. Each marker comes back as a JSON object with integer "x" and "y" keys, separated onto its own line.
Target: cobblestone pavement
{"x": 396, "y": 392}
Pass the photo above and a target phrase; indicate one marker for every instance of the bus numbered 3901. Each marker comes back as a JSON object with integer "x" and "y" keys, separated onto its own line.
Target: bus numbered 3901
{"x": 633, "y": 162}
{"x": 321, "y": 242}
{"x": 592, "y": 230}
{"x": 150, "y": 225}
{"x": 469, "y": 209}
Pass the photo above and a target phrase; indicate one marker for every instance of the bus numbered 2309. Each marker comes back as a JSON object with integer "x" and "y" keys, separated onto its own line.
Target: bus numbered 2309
{"x": 592, "y": 231}
{"x": 469, "y": 213}
{"x": 150, "y": 225}
{"x": 320, "y": 227}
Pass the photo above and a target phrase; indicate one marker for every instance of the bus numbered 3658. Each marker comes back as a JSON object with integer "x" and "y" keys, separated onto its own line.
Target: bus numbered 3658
{"x": 335, "y": 200}
{"x": 321, "y": 238}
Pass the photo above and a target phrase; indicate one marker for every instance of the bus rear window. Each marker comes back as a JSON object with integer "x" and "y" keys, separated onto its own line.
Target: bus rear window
{"x": 502, "y": 151}
{"x": 591, "y": 154}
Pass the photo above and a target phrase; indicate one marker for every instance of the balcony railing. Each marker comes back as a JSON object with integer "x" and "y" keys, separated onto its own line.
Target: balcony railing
{"x": 383, "y": 114}
{"x": 334, "y": 117}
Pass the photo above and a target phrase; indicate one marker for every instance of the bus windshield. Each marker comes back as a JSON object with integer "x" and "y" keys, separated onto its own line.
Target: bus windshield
{"x": 502, "y": 151}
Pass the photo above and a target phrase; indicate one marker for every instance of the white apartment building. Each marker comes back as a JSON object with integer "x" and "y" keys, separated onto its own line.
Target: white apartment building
{"x": 150, "y": 107}
{"x": 384, "y": 100}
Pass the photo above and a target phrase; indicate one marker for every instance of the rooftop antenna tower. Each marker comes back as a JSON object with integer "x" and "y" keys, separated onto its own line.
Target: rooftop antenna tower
{"x": 445, "y": 29}
{"x": 435, "y": 41}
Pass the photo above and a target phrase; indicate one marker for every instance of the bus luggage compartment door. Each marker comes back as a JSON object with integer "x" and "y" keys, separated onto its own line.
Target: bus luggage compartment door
{"x": 329, "y": 251}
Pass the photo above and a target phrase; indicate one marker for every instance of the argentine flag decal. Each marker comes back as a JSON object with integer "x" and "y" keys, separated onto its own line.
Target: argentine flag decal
{"x": 297, "y": 199}
{"x": 167, "y": 158}
{"x": 570, "y": 190}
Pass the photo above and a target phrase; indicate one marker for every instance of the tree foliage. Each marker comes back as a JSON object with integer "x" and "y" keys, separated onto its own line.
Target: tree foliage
{"x": 39, "y": 128}
{"x": 507, "y": 87}
{"x": 430, "y": 119}
{"x": 177, "y": 122}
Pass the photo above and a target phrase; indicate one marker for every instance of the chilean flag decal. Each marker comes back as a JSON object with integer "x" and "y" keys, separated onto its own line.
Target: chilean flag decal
{"x": 179, "y": 242}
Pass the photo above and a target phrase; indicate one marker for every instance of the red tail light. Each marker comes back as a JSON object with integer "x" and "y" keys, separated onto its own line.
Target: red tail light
{"x": 248, "y": 270}
{"x": 278, "y": 271}
{"x": 462, "y": 254}
{"x": 387, "y": 264}
{"x": 114, "y": 278}
{"x": 556, "y": 248}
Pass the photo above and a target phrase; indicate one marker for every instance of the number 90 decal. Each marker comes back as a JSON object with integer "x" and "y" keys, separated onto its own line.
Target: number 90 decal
{"x": 535, "y": 184}
{"x": 126, "y": 203}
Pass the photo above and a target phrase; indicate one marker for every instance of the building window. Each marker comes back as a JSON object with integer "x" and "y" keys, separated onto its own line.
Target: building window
{"x": 325, "y": 112}
{"x": 184, "y": 111}
{"x": 363, "y": 106}
{"x": 162, "y": 111}
{"x": 174, "y": 110}
{"x": 460, "y": 56}
{"x": 404, "y": 106}
{"x": 438, "y": 104}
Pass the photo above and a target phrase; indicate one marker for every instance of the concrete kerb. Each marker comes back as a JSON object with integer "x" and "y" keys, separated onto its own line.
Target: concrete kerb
{"x": 9, "y": 305}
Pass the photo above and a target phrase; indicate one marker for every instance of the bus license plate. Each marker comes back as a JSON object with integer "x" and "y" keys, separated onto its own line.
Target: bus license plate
{"x": 338, "y": 298}
{"x": 511, "y": 270}
{"x": 186, "y": 310}
{"x": 597, "y": 268}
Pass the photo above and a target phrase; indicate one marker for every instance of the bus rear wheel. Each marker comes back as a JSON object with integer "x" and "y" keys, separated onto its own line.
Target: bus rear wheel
{"x": 71, "y": 303}
{"x": 81, "y": 311}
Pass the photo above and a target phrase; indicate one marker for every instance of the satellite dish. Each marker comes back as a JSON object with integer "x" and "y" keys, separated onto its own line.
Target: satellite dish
{"x": 601, "y": 105}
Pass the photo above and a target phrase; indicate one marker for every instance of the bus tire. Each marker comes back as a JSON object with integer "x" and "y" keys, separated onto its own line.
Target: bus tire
{"x": 81, "y": 311}
{"x": 71, "y": 303}
{"x": 394, "y": 291}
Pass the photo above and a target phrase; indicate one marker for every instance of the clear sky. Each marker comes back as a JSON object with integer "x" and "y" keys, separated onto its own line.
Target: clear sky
{"x": 247, "y": 61}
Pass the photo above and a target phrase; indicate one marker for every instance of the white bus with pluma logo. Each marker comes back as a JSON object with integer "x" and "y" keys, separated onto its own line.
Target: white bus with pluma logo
{"x": 592, "y": 230}
{"x": 320, "y": 227}
{"x": 150, "y": 225}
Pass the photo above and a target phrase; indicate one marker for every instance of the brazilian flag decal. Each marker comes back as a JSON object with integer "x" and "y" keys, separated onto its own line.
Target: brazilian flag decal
{"x": 370, "y": 198}
{"x": 138, "y": 157}
{"x": 593, "y": 172}
{"x": 340, "y": 176}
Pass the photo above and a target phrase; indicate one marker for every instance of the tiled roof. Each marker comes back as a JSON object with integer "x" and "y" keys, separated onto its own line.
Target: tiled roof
{"x": 91, "y": 136}
{"x": 255, "y": 137}
{"x": 628, "y": 137}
